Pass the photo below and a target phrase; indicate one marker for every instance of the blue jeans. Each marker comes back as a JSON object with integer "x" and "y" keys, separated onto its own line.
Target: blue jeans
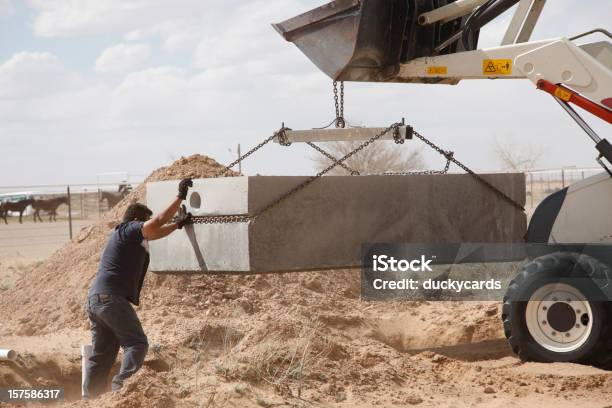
{"x": 114, "y": 324}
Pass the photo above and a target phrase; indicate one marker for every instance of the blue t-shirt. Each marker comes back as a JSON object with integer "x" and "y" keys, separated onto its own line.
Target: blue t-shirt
{"x": 123, "y": 264}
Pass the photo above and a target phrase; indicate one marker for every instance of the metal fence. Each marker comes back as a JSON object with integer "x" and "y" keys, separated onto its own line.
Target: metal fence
{"x": 542, "y": 183}
{"x": 88, "y": 203}
{"x": 81, "y": 204}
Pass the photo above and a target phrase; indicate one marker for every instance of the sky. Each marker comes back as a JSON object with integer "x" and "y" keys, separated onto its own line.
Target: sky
{"x": 90, "y": 87}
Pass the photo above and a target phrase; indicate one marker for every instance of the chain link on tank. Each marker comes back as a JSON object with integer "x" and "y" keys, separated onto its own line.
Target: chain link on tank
{"x": 219, "y": 219}
{"x": 281, "y": 136}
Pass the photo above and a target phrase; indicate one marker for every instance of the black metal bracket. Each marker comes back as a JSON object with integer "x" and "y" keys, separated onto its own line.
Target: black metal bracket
{"x": 602, "y": 164}
{"x": 409, "y": 133}
{"x": 605, "y": 150}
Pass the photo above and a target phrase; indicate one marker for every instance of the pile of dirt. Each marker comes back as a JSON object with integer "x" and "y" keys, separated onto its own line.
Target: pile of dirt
{"x": 51, "y": 296}
{"x": 280, "y": 339}
{"x": 147, "y": 388}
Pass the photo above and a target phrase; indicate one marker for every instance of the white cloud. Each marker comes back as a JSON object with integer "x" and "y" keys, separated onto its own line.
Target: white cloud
{"x": 33, "y": 74}
{"x": 179, "y": 24}
{"x": 249, "y": 39}
{"x": 57, "y": 18}
{"x": 122, "y": 57}
{"x": 179, "y": 34}
{"x": 64, "y": 18}
{"x": 243, "y": 81}
{"x": 6, "y": 8}
{"x": 155, "y": 97}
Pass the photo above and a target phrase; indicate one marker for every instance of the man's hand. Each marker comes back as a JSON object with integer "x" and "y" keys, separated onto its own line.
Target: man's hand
{"x": 184, "y": 187}
{"x": 157, "y": 228}
{"x": 182, "y": 218}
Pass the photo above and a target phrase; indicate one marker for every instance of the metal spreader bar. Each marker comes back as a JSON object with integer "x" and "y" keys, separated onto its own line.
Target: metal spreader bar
{"x": 344, "y": 134}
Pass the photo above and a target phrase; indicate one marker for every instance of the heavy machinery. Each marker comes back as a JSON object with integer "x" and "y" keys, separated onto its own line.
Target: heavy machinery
{"x": 551, "y": 311}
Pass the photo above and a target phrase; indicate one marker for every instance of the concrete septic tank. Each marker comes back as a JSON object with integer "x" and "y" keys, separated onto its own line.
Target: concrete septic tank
{"x": 324, "y": 225}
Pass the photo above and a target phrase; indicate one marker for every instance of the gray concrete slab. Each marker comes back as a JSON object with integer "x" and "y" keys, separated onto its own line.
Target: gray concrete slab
{"x": 203, "y": 248}
{"x": 324, "y": 225}
{"x": 216, "y": 196}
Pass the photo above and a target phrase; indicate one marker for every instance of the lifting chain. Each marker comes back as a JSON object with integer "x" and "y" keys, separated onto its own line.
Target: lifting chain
{"x": 281, "y": 137}
{"x": 451, "y": 158}
{"x": 340, "y": 122}
{"x": 223, "y": 219}
{"x": 332, "y": 158}
{"x": 419, "y": 172}
{"x": 220, "y": 219}
{"x": 324, "y": 171}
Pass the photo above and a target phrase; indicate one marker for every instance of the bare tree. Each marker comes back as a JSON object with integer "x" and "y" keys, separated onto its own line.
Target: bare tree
{"x": 376, "y": 158}
{"x": 514, "y": 156}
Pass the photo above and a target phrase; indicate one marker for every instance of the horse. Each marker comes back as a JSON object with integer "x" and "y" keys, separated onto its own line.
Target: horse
{"x": 114, "y": 198}
{"x": 49, "y": 206}
{"x": 18, "y": 206}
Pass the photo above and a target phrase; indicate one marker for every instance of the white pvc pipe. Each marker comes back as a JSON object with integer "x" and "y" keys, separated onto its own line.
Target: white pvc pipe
{"x": 7, "y": 355}
{"x": 449, "y": 12}
{"x": 85, "y": 354}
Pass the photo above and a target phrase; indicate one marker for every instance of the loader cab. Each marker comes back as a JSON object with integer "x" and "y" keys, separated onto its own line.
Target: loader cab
{"x": 574, "y": 219}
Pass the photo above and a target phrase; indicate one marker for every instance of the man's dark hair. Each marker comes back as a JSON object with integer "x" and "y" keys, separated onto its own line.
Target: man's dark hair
{"x": 138, "y": 212}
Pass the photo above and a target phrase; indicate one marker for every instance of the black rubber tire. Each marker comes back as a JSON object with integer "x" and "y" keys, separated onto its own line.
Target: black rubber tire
{"x": 546, "y": 269}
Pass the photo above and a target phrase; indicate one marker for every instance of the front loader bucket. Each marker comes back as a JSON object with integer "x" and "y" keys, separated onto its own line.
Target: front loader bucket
{"x": 339, "y": 39}
{"x": 365, "y": 40}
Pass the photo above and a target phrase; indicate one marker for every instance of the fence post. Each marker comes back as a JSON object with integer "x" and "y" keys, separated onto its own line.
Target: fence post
{"x": 531, "y": 187}
{"x": 69, "y": 211}
{"x": 562, "y": 178}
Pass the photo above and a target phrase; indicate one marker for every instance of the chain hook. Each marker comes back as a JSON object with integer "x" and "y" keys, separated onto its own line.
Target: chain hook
{"x": 397, "y": 136}
{"x": 281, "y": 136}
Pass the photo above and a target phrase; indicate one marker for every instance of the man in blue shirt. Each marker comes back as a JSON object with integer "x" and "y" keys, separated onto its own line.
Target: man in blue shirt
{"x": 122, "y": 269}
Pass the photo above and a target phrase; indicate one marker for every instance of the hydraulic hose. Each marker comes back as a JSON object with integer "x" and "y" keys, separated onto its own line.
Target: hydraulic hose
{"x": 482, "y": 16}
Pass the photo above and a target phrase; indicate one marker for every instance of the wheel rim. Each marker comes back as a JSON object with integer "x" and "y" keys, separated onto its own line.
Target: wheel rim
{"x": 559, "y": 318}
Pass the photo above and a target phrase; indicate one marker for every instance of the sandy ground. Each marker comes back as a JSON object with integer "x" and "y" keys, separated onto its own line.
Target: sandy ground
{"x": 397, "y": 354}
{"x": 279, "y": 340}
{"x": 30, "y": 241}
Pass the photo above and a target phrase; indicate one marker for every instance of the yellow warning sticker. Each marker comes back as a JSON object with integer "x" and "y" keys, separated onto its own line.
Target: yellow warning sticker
{"x": 497, "y": 67}
{"x": 441, "y": 70}
{"x": 563, "y": 94}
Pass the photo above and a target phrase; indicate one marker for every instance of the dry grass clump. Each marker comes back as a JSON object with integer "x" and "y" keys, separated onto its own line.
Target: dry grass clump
{"x": 276, "y": 359}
